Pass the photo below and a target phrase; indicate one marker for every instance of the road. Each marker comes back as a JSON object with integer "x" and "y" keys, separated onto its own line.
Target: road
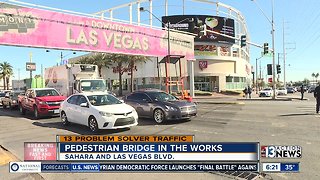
{"x": 267, "y": 122}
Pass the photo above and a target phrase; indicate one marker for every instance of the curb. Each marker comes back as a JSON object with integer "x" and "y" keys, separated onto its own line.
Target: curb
{"x": 282, "y": 99}
{"x": 219, "y": 102}
{"x": 6, "y": 156}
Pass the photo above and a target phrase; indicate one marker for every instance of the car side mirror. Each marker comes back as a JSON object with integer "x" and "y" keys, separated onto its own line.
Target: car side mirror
{"x": 84, "y": 104}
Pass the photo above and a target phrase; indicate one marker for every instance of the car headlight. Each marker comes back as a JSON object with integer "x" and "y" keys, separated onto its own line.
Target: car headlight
{"x": 170, "y": 108}
{"x": 42, "y": 102}
{"x": 105, "y": 114}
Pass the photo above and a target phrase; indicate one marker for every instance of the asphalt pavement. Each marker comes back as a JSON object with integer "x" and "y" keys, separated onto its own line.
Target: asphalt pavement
{"x": 268, "y": 122}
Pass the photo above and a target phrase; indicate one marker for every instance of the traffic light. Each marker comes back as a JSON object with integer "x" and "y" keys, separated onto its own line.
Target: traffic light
{"x": 243, "y": 40}
{"x": 278, "y": 69}
{"x": 269, "y": 68}
{"x": 265, "y": 48}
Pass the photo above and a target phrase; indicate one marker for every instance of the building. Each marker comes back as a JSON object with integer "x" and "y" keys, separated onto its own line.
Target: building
{"x": 221, "y": 62}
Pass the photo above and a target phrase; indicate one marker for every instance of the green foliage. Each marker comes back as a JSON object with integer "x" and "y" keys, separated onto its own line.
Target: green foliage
{"x": 6, "y": 72}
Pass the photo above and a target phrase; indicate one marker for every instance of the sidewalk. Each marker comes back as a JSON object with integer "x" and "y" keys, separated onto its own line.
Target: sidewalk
{"x": 217, "y": 98}
{"x": 289, "y": 97}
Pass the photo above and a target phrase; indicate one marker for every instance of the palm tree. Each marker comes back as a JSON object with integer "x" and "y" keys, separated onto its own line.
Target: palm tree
{"x": 313, "y": 75}
{"x": 135, "y": 60}
{"x": 316, "y": 76}
{"x": 99, "y": 59}
{"x": 6, "y": 71}
{"x": 120, "y": 59}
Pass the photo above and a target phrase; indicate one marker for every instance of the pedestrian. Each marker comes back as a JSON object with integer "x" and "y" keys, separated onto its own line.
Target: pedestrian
{"x": 317, "y": 96}
{"x": 249, "y": 91}
{"x": 302, "y": 91}
{"x": 246, "y": 92}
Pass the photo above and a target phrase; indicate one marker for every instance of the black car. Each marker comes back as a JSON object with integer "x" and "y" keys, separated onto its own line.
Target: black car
{"x": 160, "y": 105}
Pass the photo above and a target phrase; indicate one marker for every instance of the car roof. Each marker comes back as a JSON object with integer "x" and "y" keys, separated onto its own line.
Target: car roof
{"x": 149, "y": 90}
{"x": 42, "y": 89}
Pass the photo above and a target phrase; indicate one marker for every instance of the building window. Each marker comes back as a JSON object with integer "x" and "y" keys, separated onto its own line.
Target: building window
{"x": 229, "y": 79}
{"x": 236, "y": 79}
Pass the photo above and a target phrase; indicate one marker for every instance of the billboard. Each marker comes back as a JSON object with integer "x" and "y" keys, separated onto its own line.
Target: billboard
{"x": 32, "y": 27}
{"x": 30, "y": 66}
{"x": 197, "y": 23}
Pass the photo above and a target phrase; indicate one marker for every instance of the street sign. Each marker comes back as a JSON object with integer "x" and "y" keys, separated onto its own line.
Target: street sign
{"x": 30, "y": 66}
{"x": 269, "y": 54}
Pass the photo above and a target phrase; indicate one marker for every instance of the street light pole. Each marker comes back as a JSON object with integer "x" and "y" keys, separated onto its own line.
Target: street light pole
{"x": 273, "y": 48}
{"x": 257, "y": 73}
{"x": 273, "y": 56}
{"x": 168, "y": 87}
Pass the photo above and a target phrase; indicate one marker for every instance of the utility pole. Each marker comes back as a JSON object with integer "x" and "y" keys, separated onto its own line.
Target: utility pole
{"x": 284, "y": 59}
{"x": 278, "y": 64}
{"x": 19, "y": 78}
{"x": 30, "y": 59}
{"x": 61, "y": 57}
{"x": 273, "y": 55}
{"x": 42, "y": 78}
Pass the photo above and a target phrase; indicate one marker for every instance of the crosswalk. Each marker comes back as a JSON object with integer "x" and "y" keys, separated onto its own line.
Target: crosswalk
{"x": 310, "y": 109}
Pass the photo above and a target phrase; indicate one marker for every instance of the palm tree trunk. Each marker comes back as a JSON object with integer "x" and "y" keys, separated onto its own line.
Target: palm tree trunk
{"x": 99, "y": 70}
{"x": 131, "y": 77}
{"x": 7, "y": 82}
{"x": 4, "y": 82}
{"x": 120, "y": 78}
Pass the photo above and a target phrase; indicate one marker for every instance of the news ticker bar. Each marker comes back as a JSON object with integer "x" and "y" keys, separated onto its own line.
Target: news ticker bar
{"x": 137, "y": 138}
{"x": 281, "y": 167}
{"x": 37, "y": 167}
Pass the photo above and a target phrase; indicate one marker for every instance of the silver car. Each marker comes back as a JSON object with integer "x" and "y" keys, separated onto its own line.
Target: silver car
{"x": 160, "y": 105}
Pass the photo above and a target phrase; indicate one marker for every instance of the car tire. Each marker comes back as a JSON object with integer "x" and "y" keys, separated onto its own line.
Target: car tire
{"x": 22, "y": 110}
{"x": 158, "y": 116}
{"x": 35, "y": 113}
{"x": 93, "y": 124}
{"x": 64, "y": 119}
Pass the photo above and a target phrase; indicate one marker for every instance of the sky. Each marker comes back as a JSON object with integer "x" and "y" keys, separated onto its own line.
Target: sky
{"x": 300, "y": 21}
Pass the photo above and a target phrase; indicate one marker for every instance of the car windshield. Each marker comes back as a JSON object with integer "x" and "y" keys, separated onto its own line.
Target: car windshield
{"x": 161, "y": 96}
{"x": 47, "y": 92}
{"x": 15, "y": 95}
{"x": 2, "y": 94}
{"x": 103, "y": 99}
{"x": 93, "y": 85}
{"x": 267, "y": 89}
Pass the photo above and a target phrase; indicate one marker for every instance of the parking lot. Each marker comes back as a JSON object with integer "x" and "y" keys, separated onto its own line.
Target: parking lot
{"x": 267, "y": 122}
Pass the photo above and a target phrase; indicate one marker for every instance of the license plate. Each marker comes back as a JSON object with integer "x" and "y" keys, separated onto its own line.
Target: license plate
{"x": 56, "y": 111}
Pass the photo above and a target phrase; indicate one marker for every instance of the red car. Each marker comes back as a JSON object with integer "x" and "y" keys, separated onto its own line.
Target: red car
{"x": 41, "y": 101}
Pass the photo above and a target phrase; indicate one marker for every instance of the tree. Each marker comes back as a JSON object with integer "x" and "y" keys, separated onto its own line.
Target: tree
{"x": 120, "y": 59}
{"x": 313, "y": 75}
{"x": 316, "y": 76}
{"x": 6, "y": 71}
{"x": 306, "y": 81}
{"x": 133, "y": 61}
{"x": 99, "y": 59}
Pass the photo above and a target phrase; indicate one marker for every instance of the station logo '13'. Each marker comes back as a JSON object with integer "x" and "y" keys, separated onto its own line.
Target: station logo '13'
{"x": 281, "y": 151}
